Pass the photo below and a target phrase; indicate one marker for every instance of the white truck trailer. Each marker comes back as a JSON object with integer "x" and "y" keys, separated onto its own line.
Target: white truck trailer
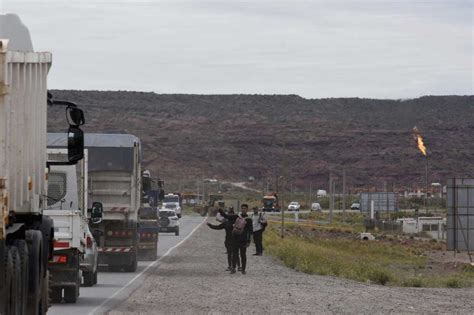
{"x": 68, "y": 207}
{"x": 114, "y": 180}
{"x": 26, "y": 235}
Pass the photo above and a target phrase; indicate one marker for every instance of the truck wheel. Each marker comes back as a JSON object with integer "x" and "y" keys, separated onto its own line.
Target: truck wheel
{"x": 71, "y": 294}
{"x": 6, "y": 301}
{"x": 17, "y": 286}
{"x": 44, "y": 303}
{"x": 23, "y": 252}
{"x": 95, "y": 277}
{"x": 177, "y": 232}
{"x": 88, "y": 279}
{"x": 35, "y": 265}
{"x": 133, "y": 266}
{"x": 56, "y": 295}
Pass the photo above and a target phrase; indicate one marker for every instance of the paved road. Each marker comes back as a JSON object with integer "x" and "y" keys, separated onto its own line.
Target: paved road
{"x": 115, "y": 286}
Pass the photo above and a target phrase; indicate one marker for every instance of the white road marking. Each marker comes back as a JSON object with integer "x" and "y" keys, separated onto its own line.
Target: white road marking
{"x": 148, "y": 267}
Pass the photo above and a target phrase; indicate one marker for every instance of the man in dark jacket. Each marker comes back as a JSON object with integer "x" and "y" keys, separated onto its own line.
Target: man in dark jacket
{"x": 240, "y": 239}
{"x": 227, "y": 226}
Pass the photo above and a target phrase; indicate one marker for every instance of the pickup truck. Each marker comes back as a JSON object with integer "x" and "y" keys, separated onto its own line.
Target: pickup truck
{"x": 67, "y": 206}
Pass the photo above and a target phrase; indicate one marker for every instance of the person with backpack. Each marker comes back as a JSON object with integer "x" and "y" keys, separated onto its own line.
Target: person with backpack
{"x": 241, "y": 235}
{"x": 259, "y": 224}
{"x": 228, "y": 227}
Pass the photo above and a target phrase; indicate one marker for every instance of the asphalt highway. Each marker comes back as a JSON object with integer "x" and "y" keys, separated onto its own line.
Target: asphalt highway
{"x": 114, "y": 287}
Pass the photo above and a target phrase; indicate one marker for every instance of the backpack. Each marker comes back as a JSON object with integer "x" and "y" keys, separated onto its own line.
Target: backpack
{"x": 239, "y": 226}
{"x": 263, "y": 222}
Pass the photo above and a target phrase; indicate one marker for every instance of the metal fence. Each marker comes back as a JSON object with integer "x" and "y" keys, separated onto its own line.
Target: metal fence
{"x": 383, "y": 202}
{"x": 460, "y": 220}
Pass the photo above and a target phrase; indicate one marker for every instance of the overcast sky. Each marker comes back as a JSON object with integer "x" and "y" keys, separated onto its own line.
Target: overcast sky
{"x": 379, "y": 49}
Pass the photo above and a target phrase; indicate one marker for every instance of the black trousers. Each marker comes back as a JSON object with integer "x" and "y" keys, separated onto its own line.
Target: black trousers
{"x": 257, "y": 239}
{"x": 230, "y": 253}
{"x": 239, "y": 248}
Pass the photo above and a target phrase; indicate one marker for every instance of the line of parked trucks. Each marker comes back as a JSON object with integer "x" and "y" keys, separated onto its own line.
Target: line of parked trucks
{"x": 69, "y": 203}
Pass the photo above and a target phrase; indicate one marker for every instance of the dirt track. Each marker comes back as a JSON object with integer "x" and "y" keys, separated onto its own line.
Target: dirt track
{"x": 193, "y": 280}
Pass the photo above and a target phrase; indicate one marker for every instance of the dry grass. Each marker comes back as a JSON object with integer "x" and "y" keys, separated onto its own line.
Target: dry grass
{"x": 382, "y": 263}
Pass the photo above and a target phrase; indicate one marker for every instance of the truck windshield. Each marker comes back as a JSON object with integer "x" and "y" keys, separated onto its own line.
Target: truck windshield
{"x": 171, "y": 199}
{"x": 267, "y": 202}
{"x": 170, "y": 206}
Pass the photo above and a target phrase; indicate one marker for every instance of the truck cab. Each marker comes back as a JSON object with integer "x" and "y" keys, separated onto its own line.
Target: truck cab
{"x": 173, "y": 201}
{"x": 270, "y": 203}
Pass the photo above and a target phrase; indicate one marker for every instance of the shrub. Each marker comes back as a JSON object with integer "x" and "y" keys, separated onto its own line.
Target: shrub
{"x": 453, "y": 283}
{"x": 413, "y": 282}
{"x": 379, "y": 276}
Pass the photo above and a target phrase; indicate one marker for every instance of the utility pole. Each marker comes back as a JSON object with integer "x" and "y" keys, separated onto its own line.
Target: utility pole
{"x": 426, "y": 176}
{"x": 343, "y": 194}
{"x": 331, "y": 200}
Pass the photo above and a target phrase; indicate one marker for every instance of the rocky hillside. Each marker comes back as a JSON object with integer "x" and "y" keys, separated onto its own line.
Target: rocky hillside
{"x": 232, "y": 137}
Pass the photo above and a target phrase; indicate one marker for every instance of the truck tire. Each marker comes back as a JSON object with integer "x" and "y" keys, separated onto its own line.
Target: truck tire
{"x": 34, "y": 240}
{"x": 56, "y": 295}
{"x": 6, "y": 301}
{"x": 44, "y": 302}
{"x": 95, "y": 277}
{"x": 176, "y": 232}
{"x": 22, "y": 248}
{"x": 133, "y": 265}
{"x": 88, "y": 278}
{"x": 71, "y": 294}
{"x": 16, "y": 281}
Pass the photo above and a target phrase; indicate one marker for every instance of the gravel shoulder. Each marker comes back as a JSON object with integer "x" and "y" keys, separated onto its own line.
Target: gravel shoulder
{"x": 192, "y": 280}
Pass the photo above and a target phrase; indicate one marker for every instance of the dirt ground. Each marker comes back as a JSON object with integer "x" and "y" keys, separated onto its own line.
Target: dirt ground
{"x": 192, "y": 280}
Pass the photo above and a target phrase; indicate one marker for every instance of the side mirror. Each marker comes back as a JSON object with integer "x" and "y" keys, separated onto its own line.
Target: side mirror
{"x": 75, "y": 144}
{"x": 75, "y": 116}
{"x": 96, "y": 212}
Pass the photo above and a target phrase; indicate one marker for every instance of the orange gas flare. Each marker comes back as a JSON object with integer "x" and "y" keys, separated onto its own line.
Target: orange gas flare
{"x": 419, "y": 140}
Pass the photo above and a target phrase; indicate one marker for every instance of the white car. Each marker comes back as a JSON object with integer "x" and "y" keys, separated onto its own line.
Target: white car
{"x": 169, "y": 221}
{"x": 355, "y": 206}
{"x": 315, "y": 206}
{"x": 294, "y": 206}
{"x": 90, "y": 261}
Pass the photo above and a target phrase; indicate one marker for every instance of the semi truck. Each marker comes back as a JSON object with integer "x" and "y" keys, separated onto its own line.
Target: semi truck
{"x": 67, "y": 205}
{"x": 114, "y": 179}
{"x": 173, "y": 201}
{"x": 26, "y": 234}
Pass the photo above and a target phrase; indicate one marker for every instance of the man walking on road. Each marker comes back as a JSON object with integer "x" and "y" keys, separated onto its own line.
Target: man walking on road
{"x": 241, "y": 235}
{"x": 258, "y": 224}
{"x": 228, "y": 227}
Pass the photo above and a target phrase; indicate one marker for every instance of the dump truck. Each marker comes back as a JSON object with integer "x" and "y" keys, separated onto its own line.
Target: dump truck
{"x": 26, "y": 234}
{"x": 67, "y": 205}
{"x": 212, "y": 206}
{"x": 114, "y": 179}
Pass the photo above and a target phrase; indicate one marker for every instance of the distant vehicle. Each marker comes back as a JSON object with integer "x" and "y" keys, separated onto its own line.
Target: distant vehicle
{"x": 169, "y": 221}
{"x": 270, "y": 203}
{"x": 90, "y": 262}
{"x": 355, "y": 206}
{"x": 321, "y": 193}
{"x": 315, "y": 206}
{"x": 294, "y": 206}
{"x": 173, "y": 200}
